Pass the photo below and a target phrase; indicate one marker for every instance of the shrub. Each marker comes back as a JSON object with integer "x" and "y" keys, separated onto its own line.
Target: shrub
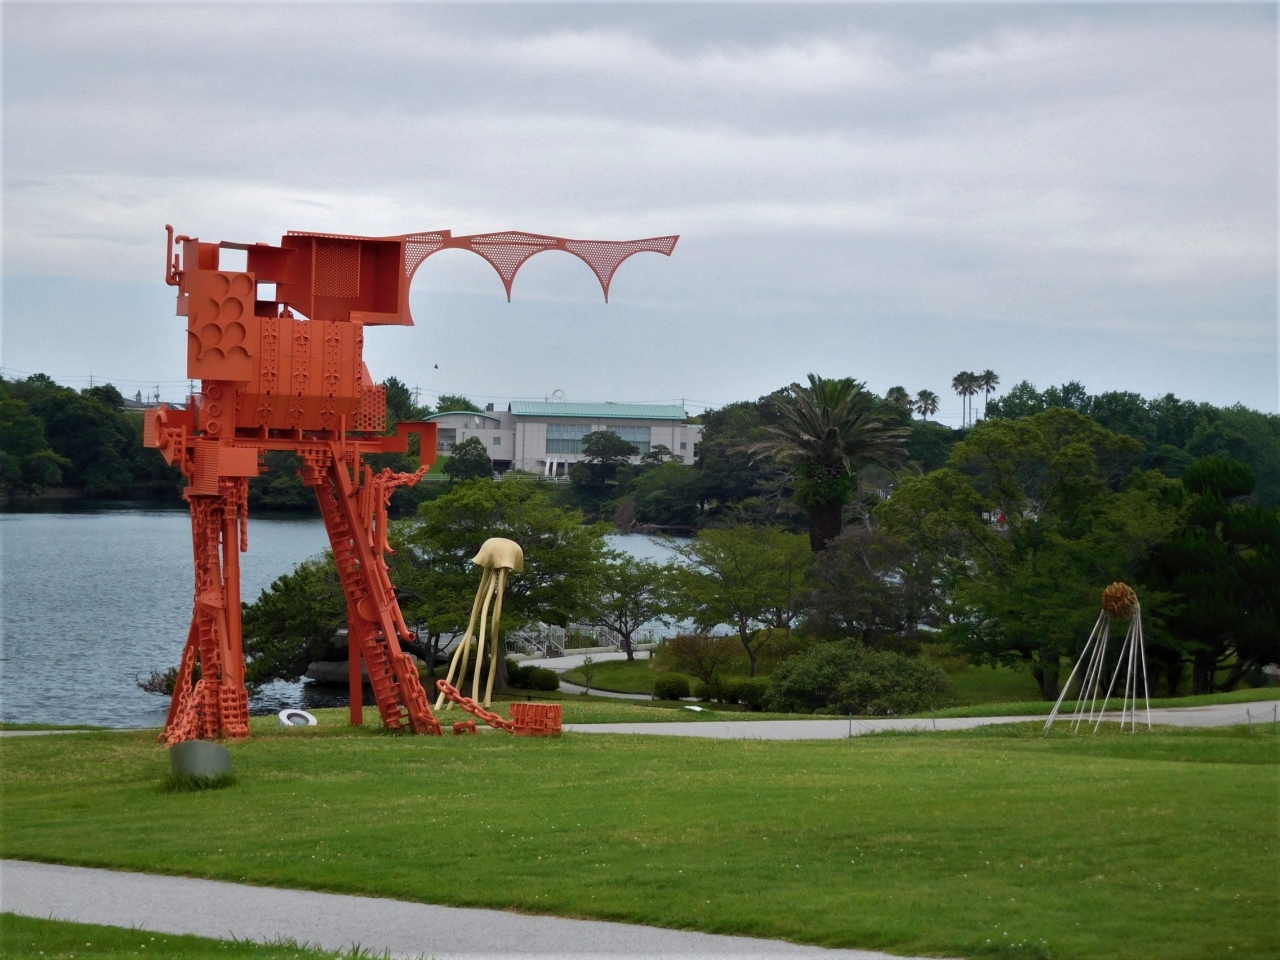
{"x": 531, "y": 678}
{"x": 845, "y": 677}
{"x": 541, "y": 678}
{"x": 753, "y": 692}
{"x": 670, "y": 686}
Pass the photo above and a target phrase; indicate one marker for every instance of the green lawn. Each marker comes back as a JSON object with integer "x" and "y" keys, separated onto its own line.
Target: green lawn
{"x": 1044, "y": 708}
{"x": 982, "y": 843}
{"x": 28, "y": 938}
{"x": 987, "y": 684}
{"x": 969, "y": 684}
{"x": 619, "y": 675}
{"x": 580, "y": 708}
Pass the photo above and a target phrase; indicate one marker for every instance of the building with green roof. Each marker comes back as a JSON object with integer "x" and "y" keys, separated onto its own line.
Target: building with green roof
{"x": 545, "y": 436}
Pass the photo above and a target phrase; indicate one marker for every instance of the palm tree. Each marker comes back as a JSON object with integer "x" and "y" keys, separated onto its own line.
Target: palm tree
{"x": 926, "y": 403}
{"x": 829, "y": 430}
{"x": 899, "y": 396}
{"x": 965, "y": 384}
{"x": 987, "y": 382}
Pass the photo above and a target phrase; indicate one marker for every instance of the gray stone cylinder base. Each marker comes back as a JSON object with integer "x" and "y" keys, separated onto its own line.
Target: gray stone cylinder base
{"x": 200, "y": 759}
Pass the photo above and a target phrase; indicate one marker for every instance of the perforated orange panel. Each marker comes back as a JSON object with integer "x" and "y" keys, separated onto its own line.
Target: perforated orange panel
{"x": 371, "y": 412}
{"x": 508, "y": 251}
{"x": 604, "y": 256}
{"x": 337, "y": 270}
{"x": 419, "y": 246}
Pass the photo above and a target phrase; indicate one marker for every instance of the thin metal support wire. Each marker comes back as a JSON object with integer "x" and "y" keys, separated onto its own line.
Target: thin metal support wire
{"x": 1142, "y": 653}
{"x": 1110, "y": 689}
{"x": 1135, "y": 650}
{"x": 1095, "y": 674}
{"x": 1130, "y": 701}
{"x": 1066, "y": 687}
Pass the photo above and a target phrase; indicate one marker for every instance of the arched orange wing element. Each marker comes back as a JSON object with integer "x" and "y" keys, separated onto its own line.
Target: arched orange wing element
{"x": 507, "y": 252}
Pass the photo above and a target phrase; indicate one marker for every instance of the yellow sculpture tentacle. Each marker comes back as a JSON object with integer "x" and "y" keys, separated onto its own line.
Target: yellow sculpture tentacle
{"x": 466, "y": 640}
{"x": 484, "y": 623}
{"x": 497, "y": 618}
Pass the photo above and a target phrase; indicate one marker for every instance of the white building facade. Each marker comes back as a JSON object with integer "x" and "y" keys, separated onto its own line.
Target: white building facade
{"x": 545, "y": 437}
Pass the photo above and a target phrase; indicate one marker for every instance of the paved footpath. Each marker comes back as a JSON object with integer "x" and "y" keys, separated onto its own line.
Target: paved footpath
{"x": 1219, "y": 715}
{"x": 209, "y": 908}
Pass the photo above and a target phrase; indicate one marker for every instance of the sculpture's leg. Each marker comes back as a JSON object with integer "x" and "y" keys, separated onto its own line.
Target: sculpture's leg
{"x": 466, "y": 639}
{"x": 184, "y": 681}
{"x": 401, "y": 700}
{"x": 495, "y": 641}
{"x": 355, "y": 676}
{"x": 218, "y": 705}
{"x": 484, "y": 620}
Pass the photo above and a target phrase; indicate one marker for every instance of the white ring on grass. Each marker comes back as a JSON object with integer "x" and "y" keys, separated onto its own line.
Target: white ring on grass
{"x": 297, "y": 718}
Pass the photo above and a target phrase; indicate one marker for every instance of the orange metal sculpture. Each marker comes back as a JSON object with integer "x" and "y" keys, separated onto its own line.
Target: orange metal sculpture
{"x": 278, "y": 350}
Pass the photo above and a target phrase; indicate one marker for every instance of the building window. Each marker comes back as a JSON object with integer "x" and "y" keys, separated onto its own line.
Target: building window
{"x": 638, "y": 437}
{"x": 497, "y": 441}
{"x": 446, "y": 438}
{"x": 683, "y": 445}
{"x": 566, "y": 437}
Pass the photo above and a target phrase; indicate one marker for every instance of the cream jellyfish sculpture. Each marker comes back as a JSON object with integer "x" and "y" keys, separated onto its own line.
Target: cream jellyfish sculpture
{"x": 1119, "y": 603}
{"x": 497, "y": 558}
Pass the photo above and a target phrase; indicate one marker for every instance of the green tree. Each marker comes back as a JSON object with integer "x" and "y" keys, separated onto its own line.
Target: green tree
{"x": 452, "y": 402}
{"x": 699, "y": 655}
{"x": 293, "y": 622}
{"x": 27, "y": 462}
{"x": 400, "y": 405}
{"x": 926, "y": 403}
{"x": 870, "y": 587}
{"x": 433, "y": 568}
{"x": 469, "y": 460}
{"x": 593, "y": 481}
{"x": 280, "y": 486}
{"x": 828, "y": 431}
{"x": 625, "y": 594}
{"x": 1223, "y": 563}
{"x": 899, "y": 397}
{"x": 734, "y": 482}
{"x": 748, "y": 578}
{"x": 987, "y": 381}
{"x": 1026, "y": 540}
{"x": 669, "y": 495}
{"x": 100, "y": 443}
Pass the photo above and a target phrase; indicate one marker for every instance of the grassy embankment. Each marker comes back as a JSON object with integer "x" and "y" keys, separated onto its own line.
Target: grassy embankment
{"x": 971, "y": 685}
{"x": 991, "y": 842}
{"x": 976, "y": 691}
{"x": 28, "y": 938}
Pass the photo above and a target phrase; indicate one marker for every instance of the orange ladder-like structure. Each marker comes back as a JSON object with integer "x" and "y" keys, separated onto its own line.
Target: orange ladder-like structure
{"x": 278, "y": 350}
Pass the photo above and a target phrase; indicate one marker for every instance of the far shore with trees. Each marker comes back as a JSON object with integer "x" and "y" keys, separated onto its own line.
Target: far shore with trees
{"x": 844, "y": 542}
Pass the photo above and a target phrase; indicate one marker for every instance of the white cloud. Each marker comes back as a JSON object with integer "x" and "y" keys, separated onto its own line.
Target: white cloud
{"x": 1108, "y": 170}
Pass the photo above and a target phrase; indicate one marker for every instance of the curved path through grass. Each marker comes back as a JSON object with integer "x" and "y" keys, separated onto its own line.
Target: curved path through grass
{"x": 329, "y": 921}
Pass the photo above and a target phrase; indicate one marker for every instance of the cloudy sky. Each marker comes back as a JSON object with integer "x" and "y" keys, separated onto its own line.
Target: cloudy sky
{"x": 895, "y": 192}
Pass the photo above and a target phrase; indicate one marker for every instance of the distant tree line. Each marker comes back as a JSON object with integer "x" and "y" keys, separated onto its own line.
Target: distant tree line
{"x": 993, "y": 540}
{"x": 82, "y": 440}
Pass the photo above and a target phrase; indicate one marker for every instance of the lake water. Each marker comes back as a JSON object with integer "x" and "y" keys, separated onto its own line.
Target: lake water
{"x": 93, "y": 598}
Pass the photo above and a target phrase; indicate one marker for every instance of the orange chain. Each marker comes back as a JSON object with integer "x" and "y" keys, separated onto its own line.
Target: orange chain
{"x": 469, "y": 705}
